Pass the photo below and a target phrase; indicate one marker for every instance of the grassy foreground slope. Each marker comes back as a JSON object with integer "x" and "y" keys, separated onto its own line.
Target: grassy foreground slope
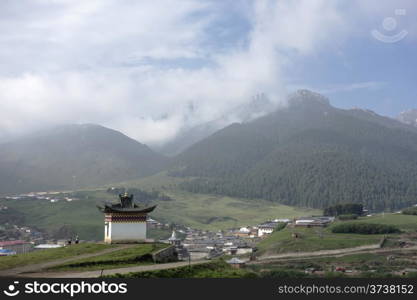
{"x": 361, "y": 265}
{"x": 138, "y": 255}
{"x": 9, "y": 262}
{"x": 212, "y": 269}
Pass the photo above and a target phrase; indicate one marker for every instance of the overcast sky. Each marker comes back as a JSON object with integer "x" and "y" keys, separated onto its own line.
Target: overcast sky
{"x": 151, "y": 68}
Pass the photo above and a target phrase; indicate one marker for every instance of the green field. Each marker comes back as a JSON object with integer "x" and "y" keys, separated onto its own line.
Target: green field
{"x": 138, "y": 255}
{"x": 199, "y": 211}
{"x": 211, "y": 212}
{"x": 404, "y": 222}
{"x": 312, "y": 239}
{"x": 40, "y": 256}
{"x": 217, "y": 212}
{"x": 364, "y": 265}
{"x": 81, "y": 216}
{"x": 159, "y": 181}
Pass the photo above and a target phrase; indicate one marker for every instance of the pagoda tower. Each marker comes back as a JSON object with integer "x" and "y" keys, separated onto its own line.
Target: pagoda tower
{"x": 173, "y": 240}
{"x": 125, "y": 222}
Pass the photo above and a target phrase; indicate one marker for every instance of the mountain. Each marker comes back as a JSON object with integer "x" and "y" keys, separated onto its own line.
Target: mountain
{"x": 73, "y": 156}
{"x": 381, "y": 120}
{"x": 258, "y": 106}
{"x": 308, "y": 154}
{"x": 408, "y": 117}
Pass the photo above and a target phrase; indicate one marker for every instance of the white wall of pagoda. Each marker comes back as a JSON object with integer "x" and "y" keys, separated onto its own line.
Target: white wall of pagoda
{"x": 124, "y": 228}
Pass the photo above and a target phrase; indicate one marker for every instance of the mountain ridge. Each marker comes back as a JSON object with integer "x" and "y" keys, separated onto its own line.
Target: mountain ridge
{"x": 308, "y": 154}
{"x": 74, "y": 156}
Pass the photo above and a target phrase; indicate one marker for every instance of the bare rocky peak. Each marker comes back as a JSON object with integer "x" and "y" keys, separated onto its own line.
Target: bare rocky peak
{"x": 307, "y": 96}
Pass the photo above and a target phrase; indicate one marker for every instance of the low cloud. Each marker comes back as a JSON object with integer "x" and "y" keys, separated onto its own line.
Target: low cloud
{"x": 150, "y": 68}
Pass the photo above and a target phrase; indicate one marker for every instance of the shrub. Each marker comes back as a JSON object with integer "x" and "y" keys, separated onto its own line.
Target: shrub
{"x": 364, "y": 228}
{"x": 348, "y": 217}
{"x": 411, "y": 275}
{"x": 343, "y": 209}
{"x": 410, "y": 211}
{"x": 280, "y": 226}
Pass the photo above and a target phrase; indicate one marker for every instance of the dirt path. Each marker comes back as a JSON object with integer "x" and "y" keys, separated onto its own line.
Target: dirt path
{"x": 40, "y": 266}
{"x": 98, "y": 273}
{"x": 318, "y": 253}
{"x": 35, "y": 271}
{"x": 329, "y": 253}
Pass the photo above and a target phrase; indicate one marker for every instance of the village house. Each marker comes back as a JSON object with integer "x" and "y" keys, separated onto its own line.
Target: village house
{"x": 5, "y": 252}
{"x": 266, "y": 228}
{"x": 314, "y": 221}
{"x": 18, "y": 246}
{"x": 47, "y": 246}
{"x": 281, "y": 221}
{"x": 243, "y": 232}
{"x": 236, "y": 263}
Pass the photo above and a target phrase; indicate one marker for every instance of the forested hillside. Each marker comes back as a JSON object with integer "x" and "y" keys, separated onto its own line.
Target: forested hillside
{"x": 308, "y": 154}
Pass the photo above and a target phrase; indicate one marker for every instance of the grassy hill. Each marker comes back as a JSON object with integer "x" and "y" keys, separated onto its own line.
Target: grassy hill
{"x": 407, "y": 223}
{"x": 313, "y": 239}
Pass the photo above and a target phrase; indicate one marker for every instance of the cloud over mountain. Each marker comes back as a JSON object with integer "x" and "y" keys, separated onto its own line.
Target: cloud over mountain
{"x": 151, "y": 68}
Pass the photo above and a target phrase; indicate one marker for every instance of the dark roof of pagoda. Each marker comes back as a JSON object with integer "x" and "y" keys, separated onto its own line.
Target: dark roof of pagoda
{"x": 126, "y": 205}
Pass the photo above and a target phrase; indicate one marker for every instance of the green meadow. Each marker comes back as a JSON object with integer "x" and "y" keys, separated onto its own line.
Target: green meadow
{"x": 312, "y": 239}
{"x": 209, "y": 212}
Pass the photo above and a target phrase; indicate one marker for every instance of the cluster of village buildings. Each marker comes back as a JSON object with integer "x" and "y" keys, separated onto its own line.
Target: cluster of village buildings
{"x": 52, "y": 197}
{"x": 18, "y": 240}
{"x": 190, "y": 243}
{"x": 199, "y": 244}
